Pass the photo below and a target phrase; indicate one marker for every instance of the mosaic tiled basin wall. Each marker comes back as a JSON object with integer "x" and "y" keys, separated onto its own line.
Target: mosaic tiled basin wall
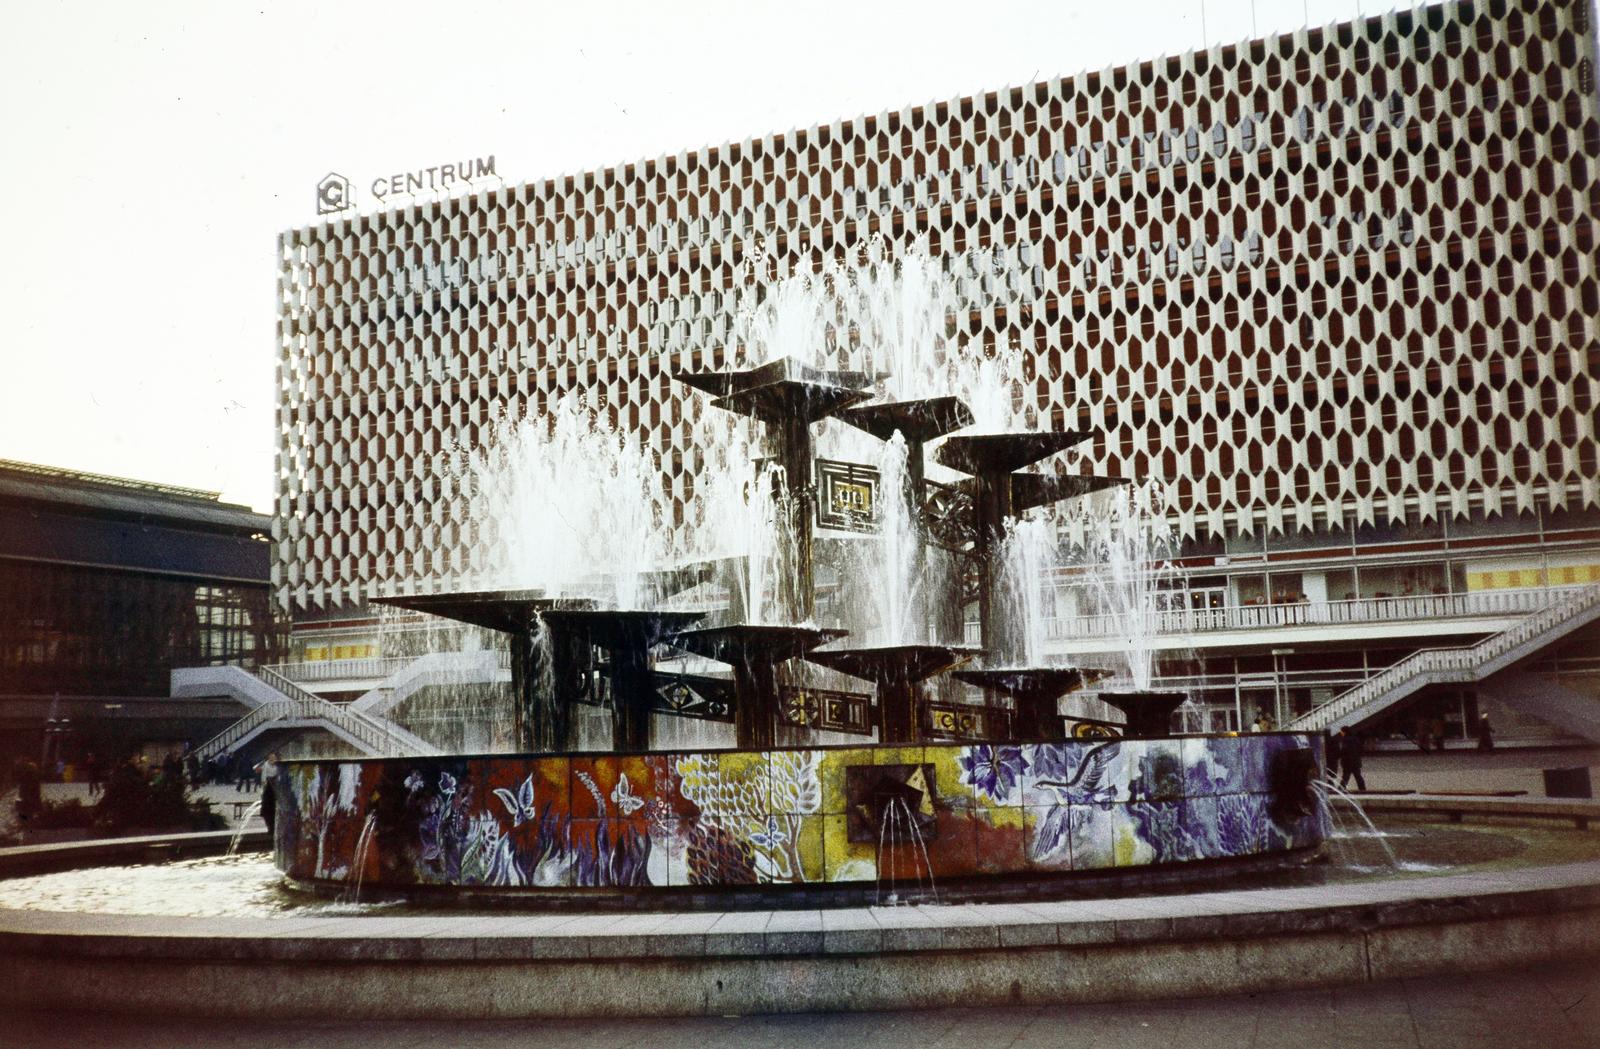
{"x": 722, "y": 818}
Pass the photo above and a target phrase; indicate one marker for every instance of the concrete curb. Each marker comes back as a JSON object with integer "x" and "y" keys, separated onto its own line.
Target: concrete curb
{"x": 25, "y": 860}
{"x": 1579, "y": 811}
{"x": 723, "y": 962}
{"x": 780, "y": 961}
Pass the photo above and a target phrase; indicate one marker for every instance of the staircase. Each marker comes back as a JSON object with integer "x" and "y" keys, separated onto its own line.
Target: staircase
{"x": 1455, "y": 666}
{"x": 435, "y": 668}
{"x": 278, "y": 703}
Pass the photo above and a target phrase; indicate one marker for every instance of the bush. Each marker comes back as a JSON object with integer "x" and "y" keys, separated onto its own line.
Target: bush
{"x": 161, "y": 803}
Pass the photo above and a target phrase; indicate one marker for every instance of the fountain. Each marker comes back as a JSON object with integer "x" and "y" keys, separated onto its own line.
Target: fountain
{"x": 754, "y": 651}
{"x": 956, "y": 794}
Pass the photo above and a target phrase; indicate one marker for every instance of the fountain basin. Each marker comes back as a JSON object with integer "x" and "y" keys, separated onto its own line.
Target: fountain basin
{"x": 714, "y": 962}
{"x": 786, "y": 820}
{"x": 919, "y": 421}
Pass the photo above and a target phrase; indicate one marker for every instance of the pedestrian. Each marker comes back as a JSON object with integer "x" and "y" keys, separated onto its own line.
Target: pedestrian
{"x": 1424, "y": 733}
{"x": 97, "y": 774}
{"x": 1485, "y": 734}
{"x": 1438, "y": 733}
{"x": 30, "y": 795}
{"x": 1350, "y": 747}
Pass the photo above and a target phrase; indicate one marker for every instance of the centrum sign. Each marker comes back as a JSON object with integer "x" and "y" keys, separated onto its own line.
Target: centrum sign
{"x": 441, "y": 178}
{"x": 335, "y": 193}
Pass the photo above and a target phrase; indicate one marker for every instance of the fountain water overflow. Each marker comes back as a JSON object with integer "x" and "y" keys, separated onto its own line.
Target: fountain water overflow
{"x": 596, "y": 587}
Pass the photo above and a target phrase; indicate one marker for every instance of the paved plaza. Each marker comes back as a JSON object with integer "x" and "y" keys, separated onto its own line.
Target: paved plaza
{"x": 1467, "y": 769}
{"x": 1538, "y": 1009}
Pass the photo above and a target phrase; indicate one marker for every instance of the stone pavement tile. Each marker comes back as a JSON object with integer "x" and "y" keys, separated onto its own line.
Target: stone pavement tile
{"x": 1575, "y": 990}
{"x": 892, "y": 1030}
{"x": 965, "y": 928}
{"x": 1473, "y": 1009}
{"x": 851, "y": 931}
{"x": 984, "y": 1027}
{"x": 514, "y": 925}
{"x": 794, "y": 932}
{"x": 907, "y": 929}
{"x": 1297, "y": 1019}
{"x": 1217, "y": 1022}
{"x": 679, "y": 935}
{"x": 1101, "y": 1026}
{"x": 629, "y": 939}
{"x": 738, "y": 933}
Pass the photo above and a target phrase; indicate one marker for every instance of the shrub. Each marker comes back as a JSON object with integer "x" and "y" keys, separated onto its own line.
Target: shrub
{"x": 132, "y": 800}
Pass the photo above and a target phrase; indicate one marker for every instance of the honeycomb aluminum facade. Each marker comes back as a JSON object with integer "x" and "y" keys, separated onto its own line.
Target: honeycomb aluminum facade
{"x": 1338, "y": 274}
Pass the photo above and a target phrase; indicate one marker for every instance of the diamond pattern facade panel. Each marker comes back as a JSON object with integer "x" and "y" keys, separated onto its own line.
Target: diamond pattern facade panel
{"x": 1340, "y": 272}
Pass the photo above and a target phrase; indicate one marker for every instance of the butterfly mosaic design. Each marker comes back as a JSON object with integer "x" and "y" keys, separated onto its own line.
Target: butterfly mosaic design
{"x": 627, "y": 802}
{"x": 520, "y": 804}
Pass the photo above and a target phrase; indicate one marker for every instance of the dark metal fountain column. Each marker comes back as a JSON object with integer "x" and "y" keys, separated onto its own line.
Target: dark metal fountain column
{"x": 917, "y": 422}
{"x": 795, "y": 455}
{"x": 990, "y": 459}
{"x": 754, "y": 651}
{"x": 1034, "y": 692}
{"x": 627, "y": 636}
{"x": 897, "y": 671}
{"x": 788, "y": 397}
{"x": 542, "y": 718}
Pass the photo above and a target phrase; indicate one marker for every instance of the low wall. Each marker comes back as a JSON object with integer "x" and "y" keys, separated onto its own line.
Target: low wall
{"x": 634, "y": 965}
{"x": 868, "y": 816}
{"x": 24, "y": 860}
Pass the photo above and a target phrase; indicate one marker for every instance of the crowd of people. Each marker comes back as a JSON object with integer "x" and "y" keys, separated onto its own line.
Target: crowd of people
{"x": 235, "y": 769}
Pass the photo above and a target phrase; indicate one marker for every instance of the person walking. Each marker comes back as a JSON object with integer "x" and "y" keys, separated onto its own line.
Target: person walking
{"x": 1350, "y": 748}
{"x": 1485, "y": 734}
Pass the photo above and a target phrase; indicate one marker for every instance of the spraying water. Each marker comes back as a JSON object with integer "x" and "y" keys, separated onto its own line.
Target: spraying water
{"x": 568, "y": 504}
{"x": 1127, "y": 554}
{"x": 1026, "y": 559}
{"x": 358, "y": 866}
{"x": 238, "y": 832}
{"x": 894, "y": 561}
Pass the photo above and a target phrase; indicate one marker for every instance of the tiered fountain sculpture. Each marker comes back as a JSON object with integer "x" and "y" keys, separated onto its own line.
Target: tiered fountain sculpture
{"x": 636, "y": 817}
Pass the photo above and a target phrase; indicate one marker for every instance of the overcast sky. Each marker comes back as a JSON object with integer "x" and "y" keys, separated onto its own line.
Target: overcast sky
{"x": 154, "y": 150}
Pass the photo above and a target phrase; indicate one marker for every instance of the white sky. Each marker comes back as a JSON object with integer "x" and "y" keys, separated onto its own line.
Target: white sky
{"x": 154, "y": 150}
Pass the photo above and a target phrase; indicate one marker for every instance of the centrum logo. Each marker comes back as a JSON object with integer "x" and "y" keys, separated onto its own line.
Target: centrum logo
{"x": 334, "y": 194}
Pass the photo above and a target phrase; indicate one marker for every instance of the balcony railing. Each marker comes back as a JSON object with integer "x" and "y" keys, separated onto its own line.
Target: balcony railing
{"x": 376, "y": 667}
{"x": 1480, "y": 603}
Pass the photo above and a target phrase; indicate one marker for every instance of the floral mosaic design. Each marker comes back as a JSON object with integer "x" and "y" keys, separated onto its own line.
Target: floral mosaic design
{"x": 712, "y": 818}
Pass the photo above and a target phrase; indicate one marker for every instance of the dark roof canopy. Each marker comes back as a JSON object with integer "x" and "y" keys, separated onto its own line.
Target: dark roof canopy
{"x": 70, "y": 518}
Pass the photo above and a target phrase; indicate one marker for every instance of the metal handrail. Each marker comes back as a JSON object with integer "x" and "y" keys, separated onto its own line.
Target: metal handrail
{"x": 225, "y": 739}
{"x": 1462, "y": 659}
{"x": 1320, "y": 613}
{"x": 358, "y": 725}
{"x": 337, "y": 669}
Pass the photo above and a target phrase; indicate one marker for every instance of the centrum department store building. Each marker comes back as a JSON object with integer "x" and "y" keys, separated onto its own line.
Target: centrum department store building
{"x": 1337, "y": 285}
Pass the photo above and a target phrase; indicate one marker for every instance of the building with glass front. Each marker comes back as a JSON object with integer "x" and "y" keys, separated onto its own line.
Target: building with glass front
{"x": 107, "y": 585}
{"x": 1336, "y": 286}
